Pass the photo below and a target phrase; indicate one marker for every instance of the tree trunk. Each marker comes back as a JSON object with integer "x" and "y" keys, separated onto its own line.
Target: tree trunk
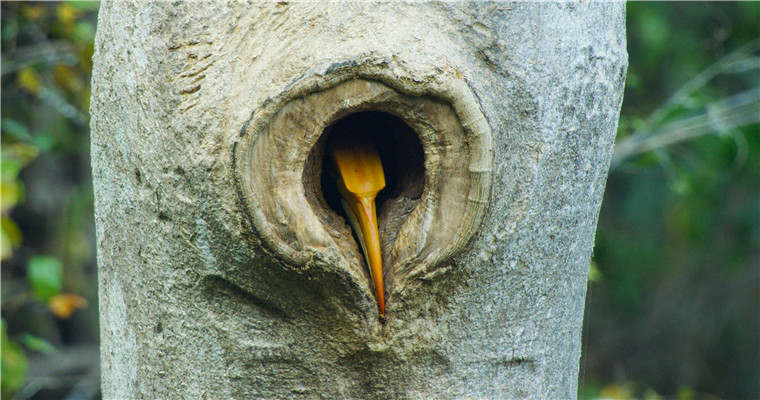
{"x": 225, "y": 269}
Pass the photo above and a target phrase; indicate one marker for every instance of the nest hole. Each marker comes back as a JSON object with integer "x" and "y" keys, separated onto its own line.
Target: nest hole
{"x": 402, "y": 156}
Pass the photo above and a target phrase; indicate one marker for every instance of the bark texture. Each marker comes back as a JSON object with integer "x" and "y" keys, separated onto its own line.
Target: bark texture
{"x": 199, "y": 300}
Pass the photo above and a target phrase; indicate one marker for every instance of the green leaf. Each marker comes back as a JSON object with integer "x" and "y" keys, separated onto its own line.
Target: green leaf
{"x": 45, "y": 276}
{"x": 85, "y": 5}
{"x": 685, "y": 393}
{"x": 16, "y": 129}
{"x": 14, "y": 365}
{"x": 10, "y": 28}
{"x": 84, "y": 32}
{"x": 594, "y": 274}
{"x": 16, "y": 156}
{"x": 633, "y": 82}
{"x": 38, "y": 344}
{"x": 45, "y": 140}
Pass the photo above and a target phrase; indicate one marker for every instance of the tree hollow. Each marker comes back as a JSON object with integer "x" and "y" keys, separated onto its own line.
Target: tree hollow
{"x": 402, "y": 158}
{"x": 437, "y": 179}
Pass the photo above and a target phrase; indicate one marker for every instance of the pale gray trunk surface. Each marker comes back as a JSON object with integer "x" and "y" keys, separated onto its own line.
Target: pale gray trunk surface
{"x": 197, "y": 300}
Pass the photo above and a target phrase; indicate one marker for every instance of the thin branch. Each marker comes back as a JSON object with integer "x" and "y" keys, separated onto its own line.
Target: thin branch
{"x": 739, "y": 56}
{"x": 722, "y": 116}
{"x": 733, "y": 112}
{"x": 47, "y": 53}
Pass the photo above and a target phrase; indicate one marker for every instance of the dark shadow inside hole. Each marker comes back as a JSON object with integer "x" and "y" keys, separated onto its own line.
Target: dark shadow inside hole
{"x": 400, "y": 153}
{"x": 403, "y": 159}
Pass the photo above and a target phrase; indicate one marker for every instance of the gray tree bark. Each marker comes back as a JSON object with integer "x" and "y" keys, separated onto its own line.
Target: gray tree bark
{"x": 223, "y": 274}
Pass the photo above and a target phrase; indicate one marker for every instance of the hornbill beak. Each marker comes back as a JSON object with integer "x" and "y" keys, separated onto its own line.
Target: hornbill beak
{"x": 360, "y": 178}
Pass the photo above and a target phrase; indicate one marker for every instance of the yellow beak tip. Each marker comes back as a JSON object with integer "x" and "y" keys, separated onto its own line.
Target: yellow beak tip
{"x": 361, "y": 178}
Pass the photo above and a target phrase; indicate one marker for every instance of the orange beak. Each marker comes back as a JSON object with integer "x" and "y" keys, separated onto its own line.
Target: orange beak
{"x": 360, "y": 178}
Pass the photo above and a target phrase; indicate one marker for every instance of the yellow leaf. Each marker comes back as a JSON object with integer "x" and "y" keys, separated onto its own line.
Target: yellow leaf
{"x": 594, "y": 274}
{"x": 615, "y": 392}
{"x": 67, "y": 14}
{"x": 6, "y": 250}
{"x": 10, "y": 237}
{"x": 64, "y": 304}
{"x": 24, "y": 153}
{"x": 30, "y": 80}
{"x": 32, "y": 12}
{"x": 66, "y": 78}
{"x": 9, "y": 195}
{"x": 85, "y": 56}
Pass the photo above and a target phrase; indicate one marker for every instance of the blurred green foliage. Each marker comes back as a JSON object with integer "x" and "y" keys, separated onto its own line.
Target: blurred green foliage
{"x": 14, "y": 364}
{"x": 45, "y": 276}
{"x": 47, "y": 224}
{"x": 673, "y": 308}
{"x": 673, "y": 297}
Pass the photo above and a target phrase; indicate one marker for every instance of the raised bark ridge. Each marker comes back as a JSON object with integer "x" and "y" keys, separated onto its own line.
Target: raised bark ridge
{"x": 281, "y": 158}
